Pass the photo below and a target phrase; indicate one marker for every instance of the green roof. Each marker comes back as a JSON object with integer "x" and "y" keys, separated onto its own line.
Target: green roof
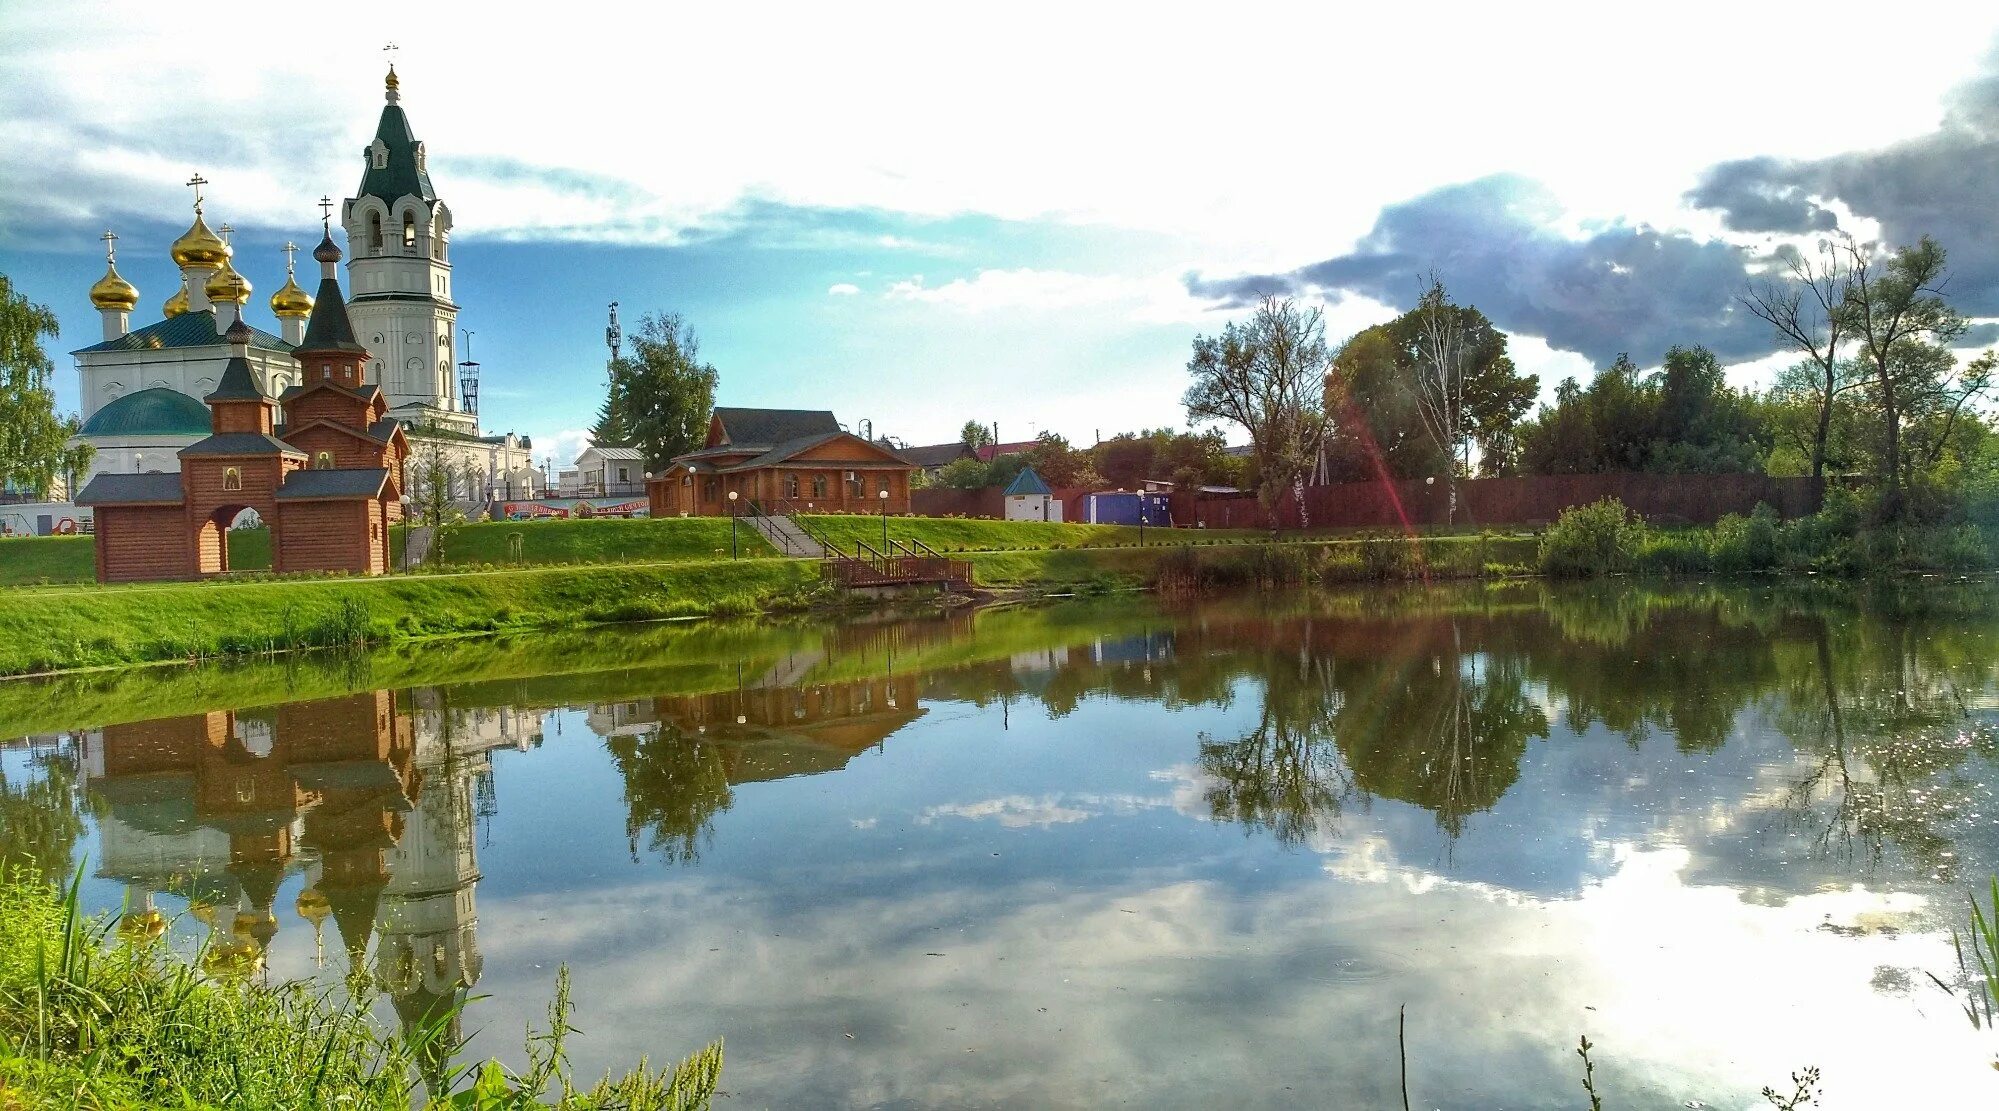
{"x": 1027, "y": 482}
{"x": 189, "y": 329}
{"x": 400, "y": 176}
{"x": 158, "y": 411}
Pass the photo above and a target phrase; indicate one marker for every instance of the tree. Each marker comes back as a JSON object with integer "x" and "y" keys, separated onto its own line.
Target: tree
{"x": 1059, "y": 464}
{"x": 1812, "y": 313}
{"x": 1682, "y": 419}
{"x": 964, "y": 474}
{"x": 661, "y": 395}
{"x": 1890, "y": 304}
{"x": 975, "y": 435}
{"x": 1412, "y": 397}
{"x": 34, "y": 440}
{"x": 1266, "y": 375}
{"x": 433, "y": 473}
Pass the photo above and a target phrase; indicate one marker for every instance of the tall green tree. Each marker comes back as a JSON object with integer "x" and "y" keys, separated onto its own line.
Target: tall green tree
{"x": 34, "y": 439}
{"x": 1682, "y": 419}
{"x": 661, "y": 395}
{"x": 1266, "y": 375}
{"x": 1424, "y": 394}
{"x": 975, "y": 435}
{"x": 1893, "y": 303}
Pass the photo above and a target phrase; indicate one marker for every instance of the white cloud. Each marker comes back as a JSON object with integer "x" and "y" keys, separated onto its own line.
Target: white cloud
{"x": 109, "y": 105}
{"x": 563, "y": 446}
{"x": 842, "y": 289}
{"x": 1158, "y": 299}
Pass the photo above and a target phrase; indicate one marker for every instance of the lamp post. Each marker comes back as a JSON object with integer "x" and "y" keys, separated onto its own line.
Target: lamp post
{"x": 1144, "y": 502}
{"x": 732, "y": 524}
{"x": 884, "y": 501}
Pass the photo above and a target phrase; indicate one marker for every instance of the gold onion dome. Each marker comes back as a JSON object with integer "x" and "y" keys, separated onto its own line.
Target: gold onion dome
{"x": 390, "y": 81}
{"x": 313, "y": 906}
{"x": 200, "y": 247}
{"x": 112, "y": 291}
{"x": 227, "y": 285}
{"x": 178, "y": 303}
{"x": 290, "y": 300}
{"x": 141, "y": 925}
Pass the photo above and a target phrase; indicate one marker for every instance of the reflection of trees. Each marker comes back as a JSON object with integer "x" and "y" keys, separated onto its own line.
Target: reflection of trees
{"x": 41, "y": 818}
{"x": 675, "y": 784}
{"x": 1284, "y": 775}
{"x": 1445, "y": 732}
{"x": 1887, "y": 733}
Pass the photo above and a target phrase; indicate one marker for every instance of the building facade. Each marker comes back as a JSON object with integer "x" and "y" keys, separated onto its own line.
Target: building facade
{"x": 142, "y": 389}
{"x": 781, "y": 461}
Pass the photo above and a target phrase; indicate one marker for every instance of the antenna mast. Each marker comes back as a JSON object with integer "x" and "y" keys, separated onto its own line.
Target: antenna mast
{"x": 468, "y": 377}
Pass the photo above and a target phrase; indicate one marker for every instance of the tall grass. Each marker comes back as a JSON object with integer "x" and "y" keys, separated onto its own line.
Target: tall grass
{"x": 91, "y": 1020}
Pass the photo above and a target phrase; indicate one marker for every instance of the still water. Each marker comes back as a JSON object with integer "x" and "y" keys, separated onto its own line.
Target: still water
{"x": 1101, "y": 853}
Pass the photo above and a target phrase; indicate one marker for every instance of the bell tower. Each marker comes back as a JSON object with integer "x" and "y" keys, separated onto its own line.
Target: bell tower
{"x": 399, "y": 270}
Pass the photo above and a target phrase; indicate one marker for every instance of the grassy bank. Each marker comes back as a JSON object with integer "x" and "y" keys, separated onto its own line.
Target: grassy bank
{"x": 91, "y": 1020}
{"x": 39, "y": 560}
{"x": 90, "y": 626}
{"x": 607, "y": 540}
{"x": 1180, "y": 567}
{"x": 965, "y": 534}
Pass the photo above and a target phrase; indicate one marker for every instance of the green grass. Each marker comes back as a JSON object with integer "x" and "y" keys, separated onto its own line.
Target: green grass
{"x": 92, "y": 1017}
{"x": 54, "y": 628}
{"x": 606, "y": 540}
{"x": 1184, "y": 566}
{"x": 40, "y": 560}
{"x": 964, "y": 534}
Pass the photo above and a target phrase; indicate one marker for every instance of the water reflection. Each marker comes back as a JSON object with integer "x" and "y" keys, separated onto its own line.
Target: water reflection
{"x": 928, "y": 833}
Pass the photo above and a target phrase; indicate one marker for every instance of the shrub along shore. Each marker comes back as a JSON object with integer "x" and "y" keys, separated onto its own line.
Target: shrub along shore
{"x": 59, "y": 628}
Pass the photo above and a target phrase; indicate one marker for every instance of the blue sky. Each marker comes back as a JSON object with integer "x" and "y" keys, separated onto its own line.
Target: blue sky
{"x": 918, "y": 215}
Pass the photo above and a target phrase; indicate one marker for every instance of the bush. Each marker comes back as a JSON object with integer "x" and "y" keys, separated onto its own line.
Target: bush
{"x": 1675, "y": 553}
{"x": 1741, "y": 544}
{"x": 1598, "y": 539}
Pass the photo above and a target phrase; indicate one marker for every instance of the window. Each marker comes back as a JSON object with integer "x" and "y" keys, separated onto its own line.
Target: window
{"x": 791, "y": 486}
{"x": 375, "y": 234}
{"x": 884, "y": 484}
{"x": 857, "y": 487}
{"x": 708, "y": 489}
{"x": 326, "y": 371}
{"x": 232, "y": 478}
{"x": 437, "y": 246}
{"x": 323, "y": 461}
{"x": 409, "y": 231}
{"x": 624, "y": 474}
{"x": 819, "y": 486}
{"x": 378, "y": 155}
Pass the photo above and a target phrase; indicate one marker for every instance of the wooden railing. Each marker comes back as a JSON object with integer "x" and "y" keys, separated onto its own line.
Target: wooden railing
{"x": 874, "y": 569}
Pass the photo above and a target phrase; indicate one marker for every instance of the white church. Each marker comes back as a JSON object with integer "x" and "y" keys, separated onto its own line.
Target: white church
{"x": 142, "y": 388}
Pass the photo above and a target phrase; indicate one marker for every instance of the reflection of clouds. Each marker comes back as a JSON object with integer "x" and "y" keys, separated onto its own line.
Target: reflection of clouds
{"x": 1194, "y": 993}
{"x": 1022, "y": 811}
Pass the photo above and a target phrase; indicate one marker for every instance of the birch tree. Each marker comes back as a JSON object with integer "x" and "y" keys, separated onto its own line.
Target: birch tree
{"x": 1439, "y": 383}
{"x": 1893, "y": 304}
{"x": 1812, "y": 311}
{"x": 1266, "y": 375}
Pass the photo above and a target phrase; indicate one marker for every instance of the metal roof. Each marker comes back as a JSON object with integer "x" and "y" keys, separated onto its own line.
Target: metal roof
{"x": 189, "y": 329}
{"x": 1027, "y": 482}
{"x": 157, "y": 411}
{"x": 341, "y": 482}
{"x": 132, "y": 489}
{"x": 241, "y": 443}
{"x": 770, "y": 427}
{"x": 401, "y": 175}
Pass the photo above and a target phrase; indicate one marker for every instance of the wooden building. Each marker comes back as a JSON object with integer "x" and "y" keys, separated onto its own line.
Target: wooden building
{"x": 327, "y": 483}
{"x": 781, "y": 461}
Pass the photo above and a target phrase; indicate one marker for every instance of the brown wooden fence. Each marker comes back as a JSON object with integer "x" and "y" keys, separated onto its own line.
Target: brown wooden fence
{"x": 943, "y": 501}
{"x": 1526, "y": 500}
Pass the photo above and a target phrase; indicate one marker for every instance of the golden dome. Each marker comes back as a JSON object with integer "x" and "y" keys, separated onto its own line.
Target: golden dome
{"x": 200, "y": 247}
{"x": 142, "y": 925}
{"x": 290, "y": 300}
{"x": 177, "y": 304}
{"x": 313, "y": 906}
{"x": 227, "y": 285}
{"x": 232, "y": 958}
{"x": 114, "y": 292}
{"x": 390, "y": 81}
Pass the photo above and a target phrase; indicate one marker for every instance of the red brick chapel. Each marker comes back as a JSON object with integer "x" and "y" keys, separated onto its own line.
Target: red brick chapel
{"x": 327, "y": 479}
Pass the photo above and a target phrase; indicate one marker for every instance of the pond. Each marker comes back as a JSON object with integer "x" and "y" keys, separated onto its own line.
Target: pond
{"x": 1144, "y": 852}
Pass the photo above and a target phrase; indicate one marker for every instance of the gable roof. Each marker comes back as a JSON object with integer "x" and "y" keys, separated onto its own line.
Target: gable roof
{"x": 770, "y": 427}
{"x": 157, "y": 411}
{"x": 1027, "y": 482}
{"x": 779, "y": 453}
{"x": 189, "y": 329}
{"x": 240, "y": 443}
{"x": 937, "y": 455}
{"x": 608, "y": 452}
{"x": 337, "y": 482}
{"x": 374, "y": 434}
{"x": 991, "y": 452}
{"x": 132, "y": 489}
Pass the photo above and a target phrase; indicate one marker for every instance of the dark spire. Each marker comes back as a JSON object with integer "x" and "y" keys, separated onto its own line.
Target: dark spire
{"x": 237, "y": 383}
{"x": 328, "y": 328}
{"x": 402, "y": 173}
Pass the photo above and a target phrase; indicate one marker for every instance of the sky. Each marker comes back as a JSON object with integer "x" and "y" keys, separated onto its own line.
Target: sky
{"x": 918, "y": 215}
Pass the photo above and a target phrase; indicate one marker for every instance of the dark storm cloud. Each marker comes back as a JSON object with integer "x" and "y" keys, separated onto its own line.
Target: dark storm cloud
{"x": 1495, "y": 244}
{"x": 1944, "y": 184}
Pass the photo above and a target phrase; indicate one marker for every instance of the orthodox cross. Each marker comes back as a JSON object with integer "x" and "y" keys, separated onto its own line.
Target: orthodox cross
{"x": 110, "y": 239}
{"x": 197, "y": 181}
{"x": 390, "y": 50}
{"x": 326, "y": 213}
{"x": 227, "y": 231}
{"x": 290, "y": 249}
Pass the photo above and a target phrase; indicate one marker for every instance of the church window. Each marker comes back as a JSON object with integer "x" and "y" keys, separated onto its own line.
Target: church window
{"x": 378, "y": 155}
{"x": 856, "y": 486}
{"x": 709, "y": 489}
{"x": 884, "y": 484}
{"x": 437, "y": 241}
{"x": 323, "y": 461}
{"x": 409, "y": 231}
{"x": 326, "y": 370}
{"x": 375, "y": 233}
{"x": 791, "y": 486}
{"x": 232, "y": 478}
{"x": 819, "y": 486}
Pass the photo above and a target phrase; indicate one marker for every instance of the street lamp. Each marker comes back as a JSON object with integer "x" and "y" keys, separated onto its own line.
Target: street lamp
{"x": 732, "y": 524}
{"x": 884, "y": 501}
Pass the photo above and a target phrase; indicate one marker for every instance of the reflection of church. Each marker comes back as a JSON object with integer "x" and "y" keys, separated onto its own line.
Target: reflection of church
{"x": 374, "y": 797}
